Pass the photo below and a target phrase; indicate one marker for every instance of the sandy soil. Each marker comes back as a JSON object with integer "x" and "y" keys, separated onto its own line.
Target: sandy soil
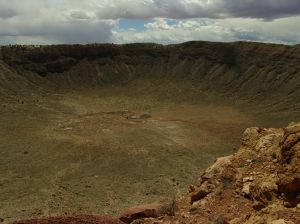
{"x": 81, "y": 152}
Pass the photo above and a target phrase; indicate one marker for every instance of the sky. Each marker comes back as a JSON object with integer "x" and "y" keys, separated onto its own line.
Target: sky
{"x": 158, "y": 21}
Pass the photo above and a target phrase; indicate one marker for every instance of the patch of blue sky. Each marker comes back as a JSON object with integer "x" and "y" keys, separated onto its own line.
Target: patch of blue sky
{"x": 137, "y": 24}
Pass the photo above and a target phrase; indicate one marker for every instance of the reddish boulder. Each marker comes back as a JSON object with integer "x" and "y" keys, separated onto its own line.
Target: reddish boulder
{"x": 141, "y": 211}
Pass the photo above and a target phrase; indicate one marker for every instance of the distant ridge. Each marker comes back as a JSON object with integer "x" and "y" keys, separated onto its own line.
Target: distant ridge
{"x": 268, "y": 74}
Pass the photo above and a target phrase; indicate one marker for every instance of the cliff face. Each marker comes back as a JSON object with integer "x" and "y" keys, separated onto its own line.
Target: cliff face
{"x": 254, "y": 72}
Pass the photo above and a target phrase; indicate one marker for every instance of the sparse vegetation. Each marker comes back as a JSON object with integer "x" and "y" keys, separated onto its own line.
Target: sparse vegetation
{"x": 169, "y": 207}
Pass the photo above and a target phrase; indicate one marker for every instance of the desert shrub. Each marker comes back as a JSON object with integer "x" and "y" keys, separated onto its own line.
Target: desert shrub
{"x": 169, "y": 207}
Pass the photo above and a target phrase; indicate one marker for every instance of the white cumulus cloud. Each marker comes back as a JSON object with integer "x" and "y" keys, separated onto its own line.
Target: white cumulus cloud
{"x": 285, "y": 30}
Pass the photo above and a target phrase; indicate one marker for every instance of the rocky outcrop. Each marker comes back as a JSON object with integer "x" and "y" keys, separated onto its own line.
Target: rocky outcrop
{"x": 258, "y": 184}
{"x": 213, "y": 178}
{"x": 289, "y": 185}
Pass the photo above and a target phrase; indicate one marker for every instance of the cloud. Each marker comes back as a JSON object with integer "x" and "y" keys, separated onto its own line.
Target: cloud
{"x": 79, "y": 15}
{"x": 6, "y": 13}
{"x": 178, "y": 31}
{"x": 56, "y": 32}
{"x": 159, "y": 24}
{"x": 265, "y": 9}
{"x": 143, "y": 9}
{"x": 285, "y": 30}
{"x": 182, "y": 9}
{"x": 51, "y": 23}
{"x": 77, "y": 21}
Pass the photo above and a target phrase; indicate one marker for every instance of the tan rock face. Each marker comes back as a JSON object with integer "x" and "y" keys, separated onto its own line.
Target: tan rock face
{"x": 280, "y": 221}
{"x": 259, "y": 184}
{"x": 212, "y": 178}
{"x": 251, "y": 136}
{"x": 289, "y": 185}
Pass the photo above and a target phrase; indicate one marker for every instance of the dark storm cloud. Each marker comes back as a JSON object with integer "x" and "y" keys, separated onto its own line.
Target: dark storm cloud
{"x": 67, "y": 32}
{"x": 79, "y": 32}
{"x": 6, "y": 11}
{"x": 266, "y": 9}
{"x": 183, "y": 9}
{"x": 140, "y": 9}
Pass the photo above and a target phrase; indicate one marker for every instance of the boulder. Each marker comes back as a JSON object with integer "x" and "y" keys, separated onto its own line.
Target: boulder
{"x": 266, "y": 142}
{"x": 251, "y": 136}
{"x": 246, "y": 188}
{"x": 141, "y": 211}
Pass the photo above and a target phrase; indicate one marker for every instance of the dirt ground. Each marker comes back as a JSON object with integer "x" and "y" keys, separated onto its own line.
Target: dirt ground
{"x": 89, "y": 152}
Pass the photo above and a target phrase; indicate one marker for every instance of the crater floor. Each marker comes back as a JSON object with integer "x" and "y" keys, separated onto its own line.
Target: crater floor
{"x": 92, "y": 151}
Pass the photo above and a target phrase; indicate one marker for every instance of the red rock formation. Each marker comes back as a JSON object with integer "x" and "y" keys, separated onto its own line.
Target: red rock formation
{"x": 259, "y": 184}
{"x": 139, "y": 212}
